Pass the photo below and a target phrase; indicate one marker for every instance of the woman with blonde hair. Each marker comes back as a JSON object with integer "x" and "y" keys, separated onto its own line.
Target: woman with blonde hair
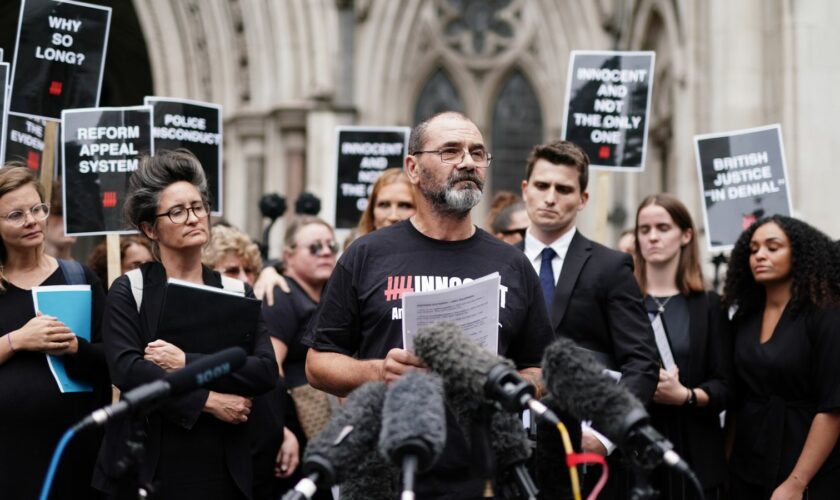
{"x": 391, "y": 200}
{"x": 35, "y": 412}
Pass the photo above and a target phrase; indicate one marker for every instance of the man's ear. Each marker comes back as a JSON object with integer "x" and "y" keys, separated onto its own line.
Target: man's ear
{"x": 412, "y": 167}
{"x": 584, "y": 197}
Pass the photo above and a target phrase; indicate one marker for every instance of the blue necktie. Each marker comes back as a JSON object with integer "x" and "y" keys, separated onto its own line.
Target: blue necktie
{"x": 547, "y": 276}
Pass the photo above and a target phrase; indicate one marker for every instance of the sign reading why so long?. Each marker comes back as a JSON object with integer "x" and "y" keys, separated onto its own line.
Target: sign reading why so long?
{"x": 607, "y": 107}
{"x": 59, "y": 57}
{"x": 743, "y": 177}
{"x": 197, "y": 127}
{"x": 100, "y": 150}
{"x": 363, "y": 153}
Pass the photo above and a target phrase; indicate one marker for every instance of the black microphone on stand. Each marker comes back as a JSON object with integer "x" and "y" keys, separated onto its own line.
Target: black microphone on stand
{"x": 473, "y": 379}
{"x": 192, "y": 376}
{"x": 413, "y": 425}
{"x": 573, "y": 378}
{"x": 349, "y": 438}
{"x": 470, "y": 371}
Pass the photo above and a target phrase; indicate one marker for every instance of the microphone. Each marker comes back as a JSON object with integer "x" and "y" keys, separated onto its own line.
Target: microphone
{"x": 348, "y": 439}
{"x": 469, "y": 371}
{"x": 413, "y": 425}
{"x": 581, "y": 389}
{"x": 472, "y": 378}
{"x": 192, "y": 376}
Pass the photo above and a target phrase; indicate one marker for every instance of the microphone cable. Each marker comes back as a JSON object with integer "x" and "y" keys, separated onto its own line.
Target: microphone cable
{"x": 56, "y": 458}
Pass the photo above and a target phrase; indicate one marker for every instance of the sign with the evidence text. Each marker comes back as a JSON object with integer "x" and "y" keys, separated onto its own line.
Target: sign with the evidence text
{"x": 197, "y": 127}
{"x": 100, "y": 149}
{"x": 363, "y": 154}
{"x": 4, "y": 86}
{"x": 608, "y": 97}
{"x": 743, "y": 177}
{"x": 59, "y": 57}
{"x": 25, "y": 141}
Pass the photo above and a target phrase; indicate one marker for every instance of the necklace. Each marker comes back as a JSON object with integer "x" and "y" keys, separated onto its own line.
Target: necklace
{"x": 661, "y": 304}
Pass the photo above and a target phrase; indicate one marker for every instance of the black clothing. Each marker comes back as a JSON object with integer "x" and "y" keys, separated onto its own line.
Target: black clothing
{"x": 33, "y": 411}
{"x": 598, "y": 304}
{"x": 696, "y": 432}
{"x": 286, "y": 321}
{"x": 781, "y": 385}
{"x": 676, "y": 320}
{"x": 192, "y": 453}
{"x": 360, "y": 315}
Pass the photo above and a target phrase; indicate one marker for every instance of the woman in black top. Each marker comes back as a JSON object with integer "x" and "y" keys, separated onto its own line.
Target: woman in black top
{"x": 783, "y": 286}
{"x": 197, "y": 445}
{"x": 309, "y": 254}
{"x": 690, "y": 395}
{"x": 33, "y": 411}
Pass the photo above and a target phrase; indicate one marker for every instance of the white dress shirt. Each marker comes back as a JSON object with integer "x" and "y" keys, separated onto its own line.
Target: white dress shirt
{"x": 533, "y": 250}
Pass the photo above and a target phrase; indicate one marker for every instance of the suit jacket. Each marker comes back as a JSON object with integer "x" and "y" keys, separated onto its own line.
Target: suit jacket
{"x": 597, "y": 303}
{"x": 696, "y": 432}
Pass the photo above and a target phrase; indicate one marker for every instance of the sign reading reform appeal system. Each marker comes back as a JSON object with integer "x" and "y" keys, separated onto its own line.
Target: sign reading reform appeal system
{"x": 607, "y": 107}
{"x": 100, "y": 149}
{"x": 743, "y": 177}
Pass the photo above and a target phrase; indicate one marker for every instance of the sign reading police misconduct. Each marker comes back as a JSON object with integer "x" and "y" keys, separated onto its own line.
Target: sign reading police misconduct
{"x": 100, "y": 149}
{"x": 363, "y": 153}
{"x": 743, "y": 177}
{"x": 197, "y": 127}
{"x": 59, "y": 57}
{"x": 607, "y": 105}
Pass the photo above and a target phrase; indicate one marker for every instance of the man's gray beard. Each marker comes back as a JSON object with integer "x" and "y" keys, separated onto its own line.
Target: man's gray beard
{"x": 450, "y": 200}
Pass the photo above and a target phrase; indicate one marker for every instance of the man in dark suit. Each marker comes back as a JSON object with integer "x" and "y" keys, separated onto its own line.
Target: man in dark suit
{"x": 590, "y": 292}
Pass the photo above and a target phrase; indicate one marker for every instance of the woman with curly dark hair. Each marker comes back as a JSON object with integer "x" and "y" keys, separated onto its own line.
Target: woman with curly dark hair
{"x": 783, "y": 287}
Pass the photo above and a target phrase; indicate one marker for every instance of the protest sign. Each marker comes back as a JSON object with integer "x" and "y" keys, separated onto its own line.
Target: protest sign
{"x": 743, "y": 177}
{"x": 4, "y": 86}
{"x": 197, "y": 127}
{"x": 25, "y": 140}
{"x": 59, "y": 57}
{"x": 607, "y": 107}
{"x": 100, "y": 149}
{"x": 363, "y": 153}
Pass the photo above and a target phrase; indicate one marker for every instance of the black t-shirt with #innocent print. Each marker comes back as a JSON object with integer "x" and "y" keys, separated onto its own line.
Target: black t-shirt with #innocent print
{"x": 360, "y": 314}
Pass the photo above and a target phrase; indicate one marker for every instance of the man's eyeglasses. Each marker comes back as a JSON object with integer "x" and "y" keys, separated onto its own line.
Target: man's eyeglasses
{"x": 315, "y": 248}
{"x": 39, "y": 212}
{"x": 179, "y": 213}
{"x": 454, "y": 156}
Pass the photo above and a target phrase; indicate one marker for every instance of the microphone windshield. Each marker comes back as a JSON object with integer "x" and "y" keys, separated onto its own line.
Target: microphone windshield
{"x": 577, "y": 382}
{"x": 414, "y": 419}
{"x": 461, "y": 363}
{"x": 207, "y": 369}
{"x": 349, "y": 437}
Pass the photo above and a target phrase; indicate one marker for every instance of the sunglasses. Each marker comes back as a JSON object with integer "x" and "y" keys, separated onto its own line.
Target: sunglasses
{"x": 519, "y": 231}
{"x": 315, "y": 248}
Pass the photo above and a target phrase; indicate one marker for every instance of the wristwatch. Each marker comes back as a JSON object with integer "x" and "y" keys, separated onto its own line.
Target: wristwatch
{"x": 692, "y": 398}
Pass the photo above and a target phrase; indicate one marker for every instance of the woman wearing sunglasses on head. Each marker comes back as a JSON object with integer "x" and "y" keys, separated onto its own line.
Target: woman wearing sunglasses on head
{"x": 196, "y": 445}
{"x": 33, "y": 411}
{"x": 309, "y": 255}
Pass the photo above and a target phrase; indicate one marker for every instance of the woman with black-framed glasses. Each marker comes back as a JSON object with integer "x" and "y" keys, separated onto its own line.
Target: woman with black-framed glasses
{"x": 309, "y": 254}
{"x": 196, "y": 445}
{"x": 34, "y": 412}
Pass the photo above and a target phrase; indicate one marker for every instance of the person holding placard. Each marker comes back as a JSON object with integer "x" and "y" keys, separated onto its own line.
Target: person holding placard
{"x": 33, "y": 411}
{"x": 196, "y": 445}
{"x": 691, "y": 393}
{"x": 783, "y": 288}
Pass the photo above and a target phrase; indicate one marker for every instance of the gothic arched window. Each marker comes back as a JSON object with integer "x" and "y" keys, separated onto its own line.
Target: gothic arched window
{"x": 437, "y": 95}
{"x": 517, "y": 127}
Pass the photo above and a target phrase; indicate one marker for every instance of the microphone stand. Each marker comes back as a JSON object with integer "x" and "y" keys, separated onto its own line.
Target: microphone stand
{"x": 128, "y": 466}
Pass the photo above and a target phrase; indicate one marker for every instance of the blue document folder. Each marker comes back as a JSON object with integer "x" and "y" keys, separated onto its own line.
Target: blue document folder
{"x": 71, "y": 304}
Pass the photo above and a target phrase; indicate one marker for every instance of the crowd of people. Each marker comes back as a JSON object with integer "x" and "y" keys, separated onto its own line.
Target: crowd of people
{"x": 748, "y": 391}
